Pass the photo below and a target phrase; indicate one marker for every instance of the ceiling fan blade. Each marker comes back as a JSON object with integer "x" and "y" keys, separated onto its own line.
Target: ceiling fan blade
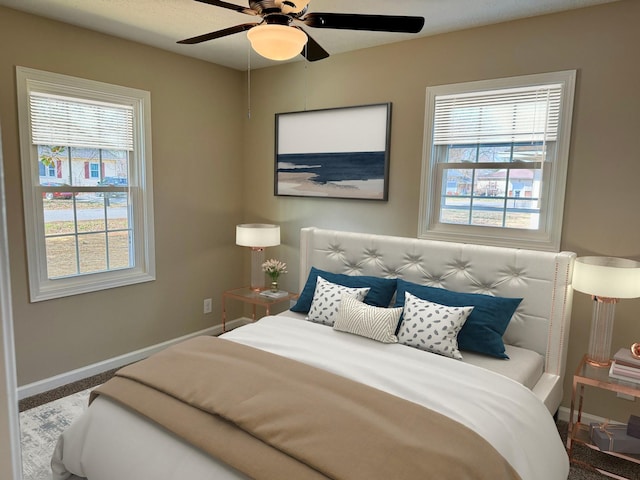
{"x": 312, "y": 51}
{"x": 230, "y": 6}
{"x": 218, "y": 34}
{"x": 353, "y": 21}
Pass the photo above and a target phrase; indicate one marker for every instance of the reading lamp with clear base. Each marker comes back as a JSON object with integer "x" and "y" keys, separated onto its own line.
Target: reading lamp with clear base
{"x": 258, "y": 236}
{"x": 606, "y": 279}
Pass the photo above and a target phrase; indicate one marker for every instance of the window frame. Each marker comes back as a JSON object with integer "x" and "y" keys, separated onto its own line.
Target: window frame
{"x": 548, "y": 235}
{"x": 140, "y": 183}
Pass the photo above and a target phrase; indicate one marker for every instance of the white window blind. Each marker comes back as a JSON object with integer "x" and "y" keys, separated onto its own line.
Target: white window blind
{"x": 524, "y": 114}
{"x": 73, "y": 122}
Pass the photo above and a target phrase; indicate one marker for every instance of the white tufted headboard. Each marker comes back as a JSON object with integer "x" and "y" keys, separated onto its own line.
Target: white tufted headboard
{"x": 542, "y": 279}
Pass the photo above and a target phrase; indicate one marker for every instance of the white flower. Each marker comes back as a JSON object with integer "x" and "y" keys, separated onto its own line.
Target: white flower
{"x": 274, "y": 268}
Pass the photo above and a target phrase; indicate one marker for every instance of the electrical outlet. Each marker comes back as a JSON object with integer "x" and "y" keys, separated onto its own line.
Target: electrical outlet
{"x": 207, "y": 305}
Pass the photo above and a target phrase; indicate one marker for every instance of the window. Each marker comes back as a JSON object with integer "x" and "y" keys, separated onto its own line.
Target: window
{"x": 47, "y": 170}
{"x": 86, "y": 168}
{"x": 495, "y": 161}
{"x": 94, "y": 169}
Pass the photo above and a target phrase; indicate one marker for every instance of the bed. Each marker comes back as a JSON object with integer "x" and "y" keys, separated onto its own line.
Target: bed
{"x": 333, "y": 402}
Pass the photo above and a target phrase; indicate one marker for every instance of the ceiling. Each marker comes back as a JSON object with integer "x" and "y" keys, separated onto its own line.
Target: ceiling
{"x": 161, "y": 23}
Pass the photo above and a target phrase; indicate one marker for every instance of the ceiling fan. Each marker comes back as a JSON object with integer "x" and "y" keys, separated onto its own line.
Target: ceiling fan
{"x": 277, "y": 38}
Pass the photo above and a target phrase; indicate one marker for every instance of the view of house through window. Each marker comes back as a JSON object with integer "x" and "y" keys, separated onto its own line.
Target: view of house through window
{"x": 86, "y": 230}
{"x": 86, "y": 164}
{"x": 504, "y": 194}
{"x": 496, "y": 155}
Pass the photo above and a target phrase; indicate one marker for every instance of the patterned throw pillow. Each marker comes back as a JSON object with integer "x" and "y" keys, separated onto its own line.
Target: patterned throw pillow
{"x": 483, "y": 330}
{"x": 326, "y": 299}
{"x": 432, "y": 327}
{"x": 361, "y": 319}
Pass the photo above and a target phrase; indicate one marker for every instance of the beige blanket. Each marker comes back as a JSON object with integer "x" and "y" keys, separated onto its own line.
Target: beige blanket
{"x": 274, "y": 418}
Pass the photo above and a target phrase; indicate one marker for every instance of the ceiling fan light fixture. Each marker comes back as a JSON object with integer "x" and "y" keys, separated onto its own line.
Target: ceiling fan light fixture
{"x": 277, "y": 42}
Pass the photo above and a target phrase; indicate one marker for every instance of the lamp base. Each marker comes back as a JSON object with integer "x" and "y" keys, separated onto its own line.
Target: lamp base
{"x": 257, "y": 275}
{"x": 599, "y": 353}
{"x": 597, "y": 364}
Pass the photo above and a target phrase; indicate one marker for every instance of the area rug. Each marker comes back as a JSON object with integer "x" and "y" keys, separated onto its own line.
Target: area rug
{"x": 40, "y": 428}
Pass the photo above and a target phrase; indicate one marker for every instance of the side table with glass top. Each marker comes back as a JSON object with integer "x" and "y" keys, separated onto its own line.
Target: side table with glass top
{"x": 255, "y": 299}
{"x": 588, "y": 375}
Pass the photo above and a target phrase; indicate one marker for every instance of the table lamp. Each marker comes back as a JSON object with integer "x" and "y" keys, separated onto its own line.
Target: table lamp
{"x": 257, "y": 236}
{"x": 606, "y": 279}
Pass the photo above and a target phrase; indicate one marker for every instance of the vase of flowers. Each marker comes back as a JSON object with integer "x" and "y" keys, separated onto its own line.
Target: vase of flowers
{"x": 274, "y": 268}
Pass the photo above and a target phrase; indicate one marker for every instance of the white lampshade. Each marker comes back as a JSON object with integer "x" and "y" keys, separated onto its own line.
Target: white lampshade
{"x": 277, "y": 42}
{"x": 257, "y": 235}
{"x": 608, "y": 277}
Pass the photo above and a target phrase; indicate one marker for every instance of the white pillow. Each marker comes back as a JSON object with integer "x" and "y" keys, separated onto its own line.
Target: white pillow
{"x": 326, "y": 299}
{"x": 432, "y": 327}
{"x": 377, "y": 323}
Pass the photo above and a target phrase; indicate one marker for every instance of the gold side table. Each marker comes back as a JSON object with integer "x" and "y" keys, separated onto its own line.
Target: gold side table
{"x": 252, "y": 297}
{"x": 597, "y": 377}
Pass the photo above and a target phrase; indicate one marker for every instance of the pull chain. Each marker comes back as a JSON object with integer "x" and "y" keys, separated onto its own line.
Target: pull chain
{"x": 306, "y": 75}
{"x": 249, "y": 83}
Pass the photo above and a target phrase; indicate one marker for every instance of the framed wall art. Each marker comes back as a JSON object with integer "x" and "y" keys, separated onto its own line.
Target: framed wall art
{"x": 334, "y": 153}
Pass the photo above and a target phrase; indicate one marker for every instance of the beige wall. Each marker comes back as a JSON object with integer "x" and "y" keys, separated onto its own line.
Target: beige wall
{"x": 213, "y": 167}
{"x": 601, "y": 216}
{"x": 196, "y": 116}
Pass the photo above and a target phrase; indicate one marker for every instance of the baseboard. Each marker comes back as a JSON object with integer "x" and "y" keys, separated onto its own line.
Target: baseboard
{"x": 66, "y": 378}
{"x": 563, "y": 414}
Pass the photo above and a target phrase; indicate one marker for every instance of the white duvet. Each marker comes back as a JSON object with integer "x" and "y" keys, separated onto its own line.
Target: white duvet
{"x": 110, "y": 443}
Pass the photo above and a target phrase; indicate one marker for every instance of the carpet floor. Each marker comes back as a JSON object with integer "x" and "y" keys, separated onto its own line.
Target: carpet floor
{"x": 42, "y": 424}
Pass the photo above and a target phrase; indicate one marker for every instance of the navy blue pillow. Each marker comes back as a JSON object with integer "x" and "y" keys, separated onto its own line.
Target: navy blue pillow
{"x": 380, "y": 295}
{"x": 483, "y": 330}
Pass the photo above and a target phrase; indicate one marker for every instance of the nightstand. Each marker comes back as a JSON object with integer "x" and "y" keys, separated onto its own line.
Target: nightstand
{"x": 597, "y": 377}
{"x": 252, "y": 297}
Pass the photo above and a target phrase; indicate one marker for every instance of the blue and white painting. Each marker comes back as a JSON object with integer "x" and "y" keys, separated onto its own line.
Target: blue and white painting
{"x": 339, "y": 153}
